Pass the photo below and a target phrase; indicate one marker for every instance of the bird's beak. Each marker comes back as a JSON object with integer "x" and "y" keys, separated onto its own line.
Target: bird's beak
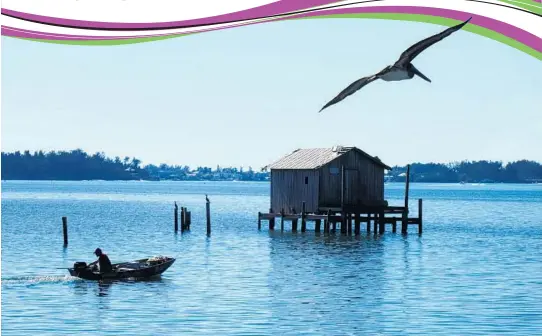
{"x": 418, "y": 73}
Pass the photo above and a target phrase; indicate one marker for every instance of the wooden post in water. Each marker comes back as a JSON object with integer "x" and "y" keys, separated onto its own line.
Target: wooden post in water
{"x": 349, "y": 217}
{"x": 375, "y": 223}
{"x": 357, "y": 224}
{"x": 420, "y": 216}
{"x": 327, "y": 222}
{"x": 271, "y": 220}
{"x": 176, "y": 218}
{"x": 183, "y": 219}
{"x": 65, "y": 230}
{"x": 294, "y": 221}
{"x": 188, "y": 219}
{"x": 369, "y": 222}
{"x": 259, "y": 220}
{"x": 208, "y": 215}
{"x": 381, "y": 222}
{"x": 181, "y": 216}
{"x": 344, "y": 220}
{"x": 404, "y": 223}
{"x": 317, "y": 225}
{"x": 282, "y": 220}
{"x": 303, "y": 218}
{"x": 347, "y": 222}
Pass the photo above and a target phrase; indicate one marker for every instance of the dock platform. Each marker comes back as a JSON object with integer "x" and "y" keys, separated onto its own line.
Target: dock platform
{"x": 348, "y": 220}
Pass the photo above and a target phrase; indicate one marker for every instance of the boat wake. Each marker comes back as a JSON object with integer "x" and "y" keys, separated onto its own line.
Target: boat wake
{"x": 34, "y": 280}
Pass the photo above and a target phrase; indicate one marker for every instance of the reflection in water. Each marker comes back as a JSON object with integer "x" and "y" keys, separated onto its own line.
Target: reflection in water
{"x": 104, "y": 293}
{"x": 80, "y": 287}
{"x": 405, "y": 254}
{"x": 98, "y": 288}
{"x": 64, "y": 253}
{"x": 339, "y": 276}
{"x": 103, "y": 288}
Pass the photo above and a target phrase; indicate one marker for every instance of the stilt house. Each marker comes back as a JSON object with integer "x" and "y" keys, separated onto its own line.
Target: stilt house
{"x": 337, "y": 178}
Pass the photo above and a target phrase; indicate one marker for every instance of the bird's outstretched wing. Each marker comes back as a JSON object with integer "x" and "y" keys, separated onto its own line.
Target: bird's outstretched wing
{"x": 408, "y": 55}
{"x": 350, "y": 89}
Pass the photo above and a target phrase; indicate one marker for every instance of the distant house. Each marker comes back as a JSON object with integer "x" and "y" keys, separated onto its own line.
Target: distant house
{"x": 326, "y": 178}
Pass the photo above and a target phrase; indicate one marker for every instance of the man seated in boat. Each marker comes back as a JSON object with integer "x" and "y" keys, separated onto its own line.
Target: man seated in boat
{"x": 103, "y": 261}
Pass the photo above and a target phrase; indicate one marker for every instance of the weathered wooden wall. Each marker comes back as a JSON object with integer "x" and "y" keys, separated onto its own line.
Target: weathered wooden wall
{"x": 288, "y": 189}
{"x": 367, "y": 184}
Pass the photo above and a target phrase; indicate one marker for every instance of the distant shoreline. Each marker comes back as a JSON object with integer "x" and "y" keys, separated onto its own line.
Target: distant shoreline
{"x": 77, "y": 165}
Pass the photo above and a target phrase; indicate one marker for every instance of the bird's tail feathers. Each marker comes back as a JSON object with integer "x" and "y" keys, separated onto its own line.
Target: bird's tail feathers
{"x": 419, "y": 73}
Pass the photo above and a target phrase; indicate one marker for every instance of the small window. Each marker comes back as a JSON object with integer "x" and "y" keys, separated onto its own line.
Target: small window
{"x": 306, "y": 180}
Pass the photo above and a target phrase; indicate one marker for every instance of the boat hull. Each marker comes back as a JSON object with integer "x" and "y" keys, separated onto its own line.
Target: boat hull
{"x": 137, "y": 269}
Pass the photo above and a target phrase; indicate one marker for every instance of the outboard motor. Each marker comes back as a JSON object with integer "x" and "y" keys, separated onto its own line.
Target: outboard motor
{"x": 79, "y": 265}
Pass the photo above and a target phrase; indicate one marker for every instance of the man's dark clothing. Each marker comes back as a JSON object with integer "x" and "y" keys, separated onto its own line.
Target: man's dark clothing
{"x": 105, "y": 263}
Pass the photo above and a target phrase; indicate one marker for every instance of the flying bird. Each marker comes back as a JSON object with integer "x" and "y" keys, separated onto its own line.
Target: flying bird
{"x": 403, "y": 69}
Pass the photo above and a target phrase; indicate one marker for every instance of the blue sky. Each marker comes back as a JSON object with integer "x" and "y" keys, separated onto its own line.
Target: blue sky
{"x": 246, "y": 96}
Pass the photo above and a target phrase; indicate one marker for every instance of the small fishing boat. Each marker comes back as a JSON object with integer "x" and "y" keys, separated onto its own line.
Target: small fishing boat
{"x": 137, "y": 269}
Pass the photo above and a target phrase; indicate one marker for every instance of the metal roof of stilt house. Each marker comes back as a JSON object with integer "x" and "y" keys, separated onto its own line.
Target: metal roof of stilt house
{"x": 314, "y": 158}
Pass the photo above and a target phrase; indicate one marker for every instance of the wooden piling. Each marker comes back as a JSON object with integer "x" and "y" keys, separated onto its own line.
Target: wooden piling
{"x": 294, "y": 221}
{"x": 208, "y": 216}
{"x": 188, "y": 219}
{"x": 350, "y": 222}
{"x": 381, "y": 222}
{"x": 407, "y": 186}
{"x": 404, "y": 222}
{"x": 303, "y": 218}
{"x": 183, "y": 219}
{"x": 327, "y": 222}
{"x": 344, "y": 220}
{"x": 271, "y": 221}
{"x": 357, "y": 224}
{"x": 282, "y": 220}
{"x": 176, "y": 218}
{"x": 65, "y": 230}
{"x": 420, "y": 216}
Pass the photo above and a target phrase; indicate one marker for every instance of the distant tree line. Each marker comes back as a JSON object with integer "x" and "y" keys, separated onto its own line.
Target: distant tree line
{"x": 69, "y": 165}
{"x": 78, "y": 165}
{"x": 522, "y": 171}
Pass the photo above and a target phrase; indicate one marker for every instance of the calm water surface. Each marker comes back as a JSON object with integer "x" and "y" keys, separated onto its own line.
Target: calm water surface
{"x": 476, "y": 270}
